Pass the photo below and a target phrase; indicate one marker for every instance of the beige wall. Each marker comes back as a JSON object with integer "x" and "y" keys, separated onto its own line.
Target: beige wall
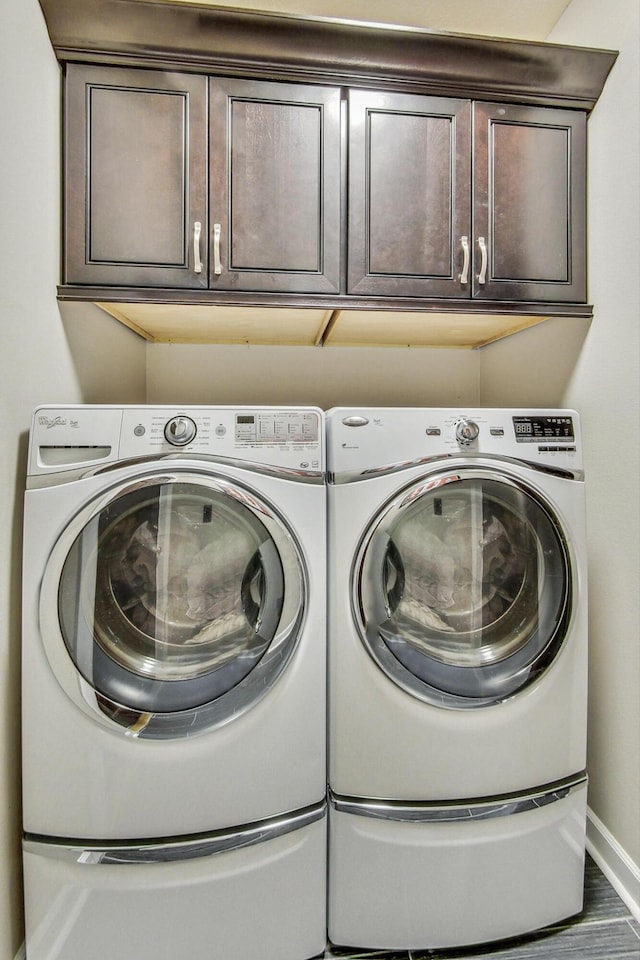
{"x": 334, "y": 376}
{"x": 42, "y": 359}
{"x": 605, "y": 385}
{"x": 599, "y": 371}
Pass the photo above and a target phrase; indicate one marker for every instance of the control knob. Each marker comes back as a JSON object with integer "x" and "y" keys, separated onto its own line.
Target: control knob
{"x": 467, "y": 431}
{"x": 179, "y": 431}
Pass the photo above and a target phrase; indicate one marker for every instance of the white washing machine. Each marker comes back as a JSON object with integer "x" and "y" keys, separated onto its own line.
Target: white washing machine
{"x": 174, "y": 722}
{"x": 457, "y": 674}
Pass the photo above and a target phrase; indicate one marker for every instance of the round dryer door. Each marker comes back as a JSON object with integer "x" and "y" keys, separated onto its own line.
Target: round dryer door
{"x": 462, "y": 588}
{"x": 179, "y": 600}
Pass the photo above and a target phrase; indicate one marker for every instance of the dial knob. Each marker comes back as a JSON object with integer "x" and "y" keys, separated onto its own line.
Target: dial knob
{"x": 466, "y": 431}
{"x": 180, "y": 430}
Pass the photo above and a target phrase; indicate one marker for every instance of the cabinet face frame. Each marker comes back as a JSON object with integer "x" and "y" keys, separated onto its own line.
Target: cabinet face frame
{"x": 529, "y": 181}
{"x": 275, "y": 185}
{"x": 138, "y": 227}
{"x": 439, "y": 129}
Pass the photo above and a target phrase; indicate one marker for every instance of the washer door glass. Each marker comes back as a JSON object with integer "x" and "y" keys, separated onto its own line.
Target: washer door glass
{"x": 462, "y": 588}
{"x": 180, "y": 598}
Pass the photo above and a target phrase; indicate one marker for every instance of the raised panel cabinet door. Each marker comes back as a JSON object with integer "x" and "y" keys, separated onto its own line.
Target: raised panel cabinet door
{"x": 529, "y": 203}
{"x": 409, "y": 195}
{"x": 135, "y": 177}
{"x": 274, "y": 187}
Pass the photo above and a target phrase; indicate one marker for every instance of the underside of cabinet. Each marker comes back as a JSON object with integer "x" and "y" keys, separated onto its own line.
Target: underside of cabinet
{"x": 287, "y": 326}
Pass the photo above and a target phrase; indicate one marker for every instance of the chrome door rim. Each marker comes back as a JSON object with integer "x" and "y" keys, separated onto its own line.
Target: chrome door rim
{"x": 199, "y": 718}
{"x": 509, "y": 673}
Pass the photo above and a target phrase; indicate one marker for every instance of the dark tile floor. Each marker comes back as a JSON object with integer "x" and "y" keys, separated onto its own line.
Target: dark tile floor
{"x": 605, "y": 930}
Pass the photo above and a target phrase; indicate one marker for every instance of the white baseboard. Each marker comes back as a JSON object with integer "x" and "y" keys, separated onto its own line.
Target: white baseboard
{"x": 618, "y": 867}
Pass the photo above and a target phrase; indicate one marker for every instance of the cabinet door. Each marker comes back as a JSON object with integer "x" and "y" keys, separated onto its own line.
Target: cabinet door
{"x": 409, "y": 195}
{"x": 135, "y": 177}
{"x": 275, "y": 187}
{"x": 529, "y": 203}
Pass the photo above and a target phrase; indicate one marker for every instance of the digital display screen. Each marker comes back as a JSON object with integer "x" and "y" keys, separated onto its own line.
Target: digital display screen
{"x": 245, "y": 418}
{"x": 523, "y": 429}
{"x": 531, "y": 429}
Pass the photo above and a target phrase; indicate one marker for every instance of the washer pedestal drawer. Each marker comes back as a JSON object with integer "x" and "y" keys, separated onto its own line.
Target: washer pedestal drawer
{"x": 265, "y": 901}
{"x": 412, "y": 884}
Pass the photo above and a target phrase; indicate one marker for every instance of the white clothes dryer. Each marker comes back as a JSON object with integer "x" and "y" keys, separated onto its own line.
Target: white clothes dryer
{"x": 174, "y": 722}
{"x": 458, "y": 674}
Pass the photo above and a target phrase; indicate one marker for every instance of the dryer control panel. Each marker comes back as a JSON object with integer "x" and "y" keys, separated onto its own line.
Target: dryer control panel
{"x": 535, "y": 429}
{"x": 375, "y": 440}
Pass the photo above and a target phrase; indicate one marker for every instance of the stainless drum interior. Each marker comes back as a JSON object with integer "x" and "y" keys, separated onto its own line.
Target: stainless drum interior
{"x": 179, "y": 584}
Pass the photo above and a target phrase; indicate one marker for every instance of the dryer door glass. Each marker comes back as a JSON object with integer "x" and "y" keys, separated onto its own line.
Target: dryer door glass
{"x": 463, "y": 588}
{"x": 173, "y": 595}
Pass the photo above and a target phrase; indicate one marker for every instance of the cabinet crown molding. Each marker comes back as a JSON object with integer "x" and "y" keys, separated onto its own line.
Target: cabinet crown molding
{"x": 283, "y": 46}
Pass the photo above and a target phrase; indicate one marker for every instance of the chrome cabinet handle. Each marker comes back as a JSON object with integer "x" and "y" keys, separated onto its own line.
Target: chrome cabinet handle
{"x": 197, "y": 262}
{"x": 464, "y": 276}
{"x": 482, "y": 276}
{"x": 217, "y": 266}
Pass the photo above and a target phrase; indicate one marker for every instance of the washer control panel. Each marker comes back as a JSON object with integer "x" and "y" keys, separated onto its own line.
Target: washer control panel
{"x": 273, "y": 436}
{"x": 64, "y": 438}
{"x": 279, "y": 427}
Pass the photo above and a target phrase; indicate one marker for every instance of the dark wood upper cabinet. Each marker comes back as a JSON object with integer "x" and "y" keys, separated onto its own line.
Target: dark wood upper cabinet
{"x": 229, "y": 158}
{"x": 450, "y": 199}
{"x": 274, "y": 187}
{"x": 409, "y": 194}
{"x": 135, "y": 197}
{"x": 181, "y": 181}
{"x": 186, "y": 182}
{"x": 529, "y": 181}
{"x": 147, "y": 156}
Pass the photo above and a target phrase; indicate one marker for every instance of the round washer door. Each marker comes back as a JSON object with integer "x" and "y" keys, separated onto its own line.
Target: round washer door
{"x": 179, "y": 601}
{"x": 462, "y": 588}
